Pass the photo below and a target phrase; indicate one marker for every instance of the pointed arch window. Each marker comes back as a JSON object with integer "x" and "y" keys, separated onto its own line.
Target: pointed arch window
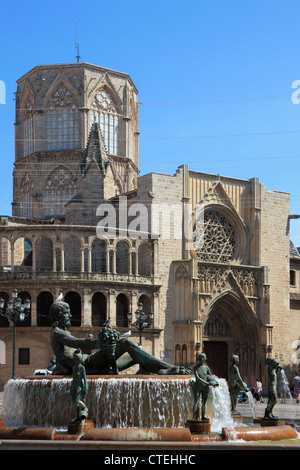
{"x": 26, "y": 191}
{"x": 29, "y": 127}
{"x": 60, "y": 187}
{"x": 62, "y": 120}
{"x": 104, "y": 112}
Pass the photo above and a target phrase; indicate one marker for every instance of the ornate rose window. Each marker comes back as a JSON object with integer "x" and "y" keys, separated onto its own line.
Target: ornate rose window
{"x": 218, "y": 239}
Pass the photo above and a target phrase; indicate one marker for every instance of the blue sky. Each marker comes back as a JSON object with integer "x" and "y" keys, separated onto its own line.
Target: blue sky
{"x": 214, "y": 79}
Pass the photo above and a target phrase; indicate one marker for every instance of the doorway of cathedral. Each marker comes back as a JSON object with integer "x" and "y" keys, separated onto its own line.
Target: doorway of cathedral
{"x": 217, "y": 357}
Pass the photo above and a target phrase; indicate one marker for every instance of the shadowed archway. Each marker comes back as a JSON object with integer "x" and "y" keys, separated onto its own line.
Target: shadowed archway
{"x": 231, "y": 327}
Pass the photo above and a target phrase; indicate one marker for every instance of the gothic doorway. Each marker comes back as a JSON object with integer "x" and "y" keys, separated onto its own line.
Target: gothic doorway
{"x": 217, "y": 357}
{"x": 231, "y": 328}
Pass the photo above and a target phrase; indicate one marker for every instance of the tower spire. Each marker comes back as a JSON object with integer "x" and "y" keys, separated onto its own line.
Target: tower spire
{"x": 76, "y": 43}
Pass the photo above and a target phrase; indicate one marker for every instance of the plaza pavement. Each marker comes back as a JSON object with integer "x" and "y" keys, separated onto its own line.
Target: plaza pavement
{"x": 289, "y": 410}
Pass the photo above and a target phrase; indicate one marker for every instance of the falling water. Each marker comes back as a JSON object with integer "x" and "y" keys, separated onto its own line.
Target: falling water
{"x": 219, "y": 407}
{"x": 39, "y": 402}
{"x": 286, "y": 384}
{"x": 251, "y": 403}
{"x": 122, "y": 402}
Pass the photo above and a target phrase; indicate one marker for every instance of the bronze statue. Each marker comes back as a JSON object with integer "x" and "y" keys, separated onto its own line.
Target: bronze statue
{"x": 235, "y": 382}
{"x": 79, "y": 387}
{"x": 204, "y": 379}
{"x": 108, "y": 339}
{"x": 273, "y": 368}
{"x": 126, "y": 352}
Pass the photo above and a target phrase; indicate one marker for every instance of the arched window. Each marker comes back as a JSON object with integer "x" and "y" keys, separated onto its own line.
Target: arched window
{"x": 145, "y": 264}
{"x": 25, "y": 195}
{"x": 74, "y": 301}
{"x": 62, "y": 120}
{"x": 122, "y": 257}
{"x": 43, "y": 303}
{"x": 29, "y": 126}
{"x": 104, "y": 112}
{"x": 146, "y": 301}
{"x": 59, "y": 189}
{"x": 122, "y": 310}
{"x": 99, "y": 256}
{"x": 98, "y": 309}
{"x": 44, "y": 254}
{"x": 72, "y": 247}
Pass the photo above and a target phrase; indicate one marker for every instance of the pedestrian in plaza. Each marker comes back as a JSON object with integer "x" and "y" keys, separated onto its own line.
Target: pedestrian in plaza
{"x": 257, "y": 389}
{"x": 296, "y": 382}
{"x": 282, "y": 388}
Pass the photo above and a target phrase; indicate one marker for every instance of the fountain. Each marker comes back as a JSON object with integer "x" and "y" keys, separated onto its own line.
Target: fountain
{"x": 160, "y": 403}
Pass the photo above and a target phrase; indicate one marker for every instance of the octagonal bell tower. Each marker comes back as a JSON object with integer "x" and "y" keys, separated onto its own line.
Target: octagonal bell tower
{"x": 72, "y": 121}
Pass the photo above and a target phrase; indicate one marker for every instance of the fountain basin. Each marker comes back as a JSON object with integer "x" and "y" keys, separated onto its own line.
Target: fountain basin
{"x": 119, "y": 401}
{"x": 260, "y": 433}
{"x": 28, "y": 434}
{"x": 134, "y": 434}
{"x": 113, "y": 401}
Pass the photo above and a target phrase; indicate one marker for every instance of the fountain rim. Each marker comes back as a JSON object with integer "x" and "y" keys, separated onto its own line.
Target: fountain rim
{"x": 117, "y": 377}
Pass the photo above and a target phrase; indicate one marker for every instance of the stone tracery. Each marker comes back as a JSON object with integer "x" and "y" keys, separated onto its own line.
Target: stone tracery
{"x": 59, "y": 189}
{"x": 219, "y": 239}
{"x": 104, "y": 112}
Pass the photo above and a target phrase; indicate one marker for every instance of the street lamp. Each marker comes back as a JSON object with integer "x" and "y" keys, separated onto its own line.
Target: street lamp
{"x": 14, "y": 311}
{"x": 143, "y": 320}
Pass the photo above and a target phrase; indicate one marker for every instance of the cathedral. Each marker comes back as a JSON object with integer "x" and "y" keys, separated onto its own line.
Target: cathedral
{"x": 86, "y": 225}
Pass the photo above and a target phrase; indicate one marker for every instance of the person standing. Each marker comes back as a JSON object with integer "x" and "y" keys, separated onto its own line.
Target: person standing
{"x": 257, "y": 390}
{"x": 296, "y": 382}
{"x": 282, "y": 388}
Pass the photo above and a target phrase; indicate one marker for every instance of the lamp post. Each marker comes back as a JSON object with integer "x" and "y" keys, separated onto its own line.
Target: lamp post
{"x": 143, "y": 320}
{"x": 14, "y": 311}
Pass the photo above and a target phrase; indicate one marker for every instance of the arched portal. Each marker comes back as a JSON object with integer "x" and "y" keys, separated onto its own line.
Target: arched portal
{"x": 232, "y": 328}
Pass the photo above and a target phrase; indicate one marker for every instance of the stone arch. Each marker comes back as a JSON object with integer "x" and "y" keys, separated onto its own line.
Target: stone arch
{"x": 122, "y": 257}
{"x": 99, "y": 248}
{"x": 44, "y": 301}
{"x": 145, "y": 259}
{"x": 122, "y": 309}
{"x": 44, "y": 253}
{"x": 72, "y": 247}
{"x": 22, "y": 246}
{"x": 99, "y": 309}
{"x": 231, "y": 322}
{"x": 73, "y": 298}
{"x": 146, "y": 301}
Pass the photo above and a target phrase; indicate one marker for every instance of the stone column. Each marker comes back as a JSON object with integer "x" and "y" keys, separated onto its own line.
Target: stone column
{"x": 33, "y": 257}
{"x": 62, "y": 260}
{"x": 33, "y": 309}
{"x": 82, "y": 260}
{"x": 86, "y": 317}
{"x": 112, "y": 307}
{"x": 54, "y": 258}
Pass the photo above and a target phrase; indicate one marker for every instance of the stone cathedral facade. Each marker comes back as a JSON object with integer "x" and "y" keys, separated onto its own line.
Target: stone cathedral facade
{"x": 77, "y": 157}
